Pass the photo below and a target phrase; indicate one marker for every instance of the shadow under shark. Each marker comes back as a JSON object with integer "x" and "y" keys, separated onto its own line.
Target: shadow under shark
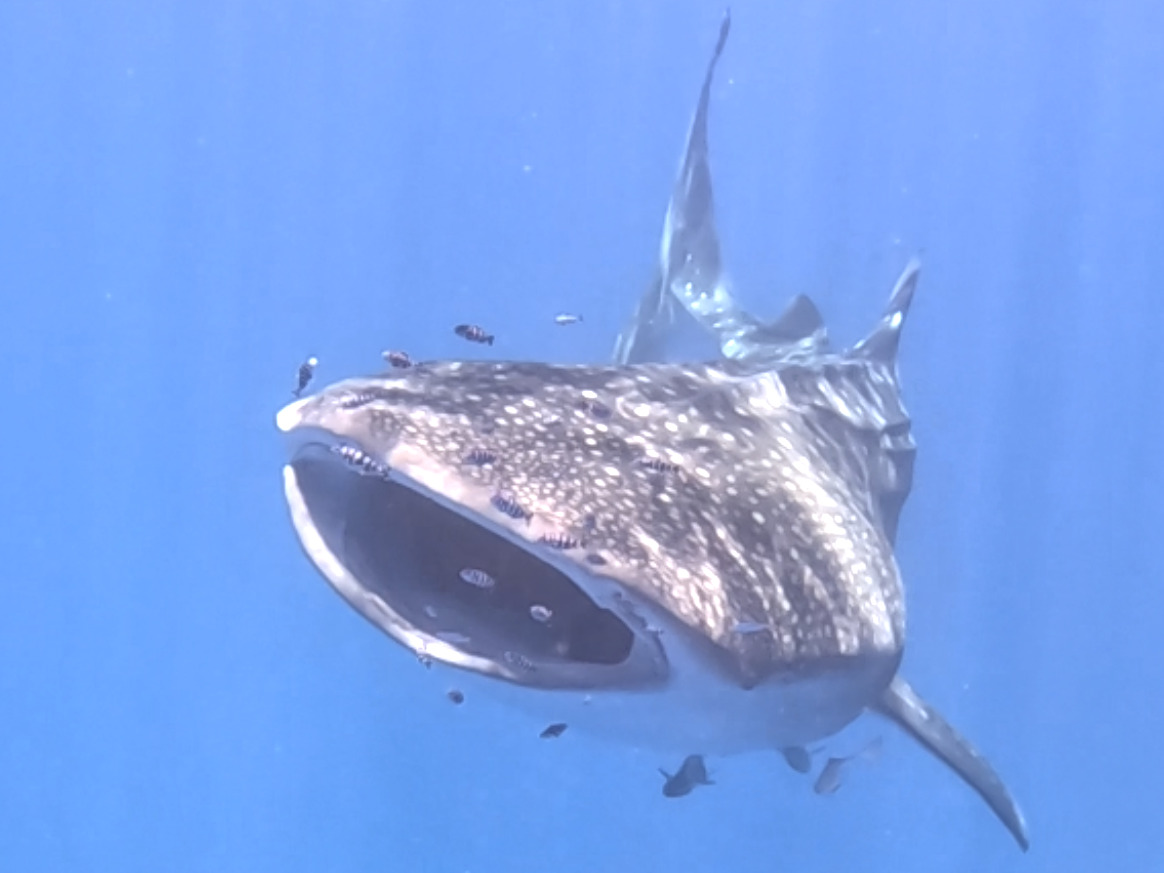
{"x": 688, "y": 556}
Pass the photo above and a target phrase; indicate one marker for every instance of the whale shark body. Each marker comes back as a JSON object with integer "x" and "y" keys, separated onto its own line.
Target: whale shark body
{"x": 687, "y": 556}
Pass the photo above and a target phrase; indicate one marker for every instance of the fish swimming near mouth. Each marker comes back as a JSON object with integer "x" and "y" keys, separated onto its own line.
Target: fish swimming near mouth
{"x": 760, "y": 490}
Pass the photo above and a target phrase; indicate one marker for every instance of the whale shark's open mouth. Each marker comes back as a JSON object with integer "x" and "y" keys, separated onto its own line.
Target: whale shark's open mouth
{"x": 454, "y": 588}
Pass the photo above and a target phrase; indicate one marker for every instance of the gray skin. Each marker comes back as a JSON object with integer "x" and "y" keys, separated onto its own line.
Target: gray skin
{"x": 652, "y": 510}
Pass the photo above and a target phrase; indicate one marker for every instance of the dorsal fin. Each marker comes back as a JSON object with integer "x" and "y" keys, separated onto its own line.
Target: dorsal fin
{"x": 689, "y": 274}
{"x": 881, "y": 343}
{"x": 800, "y": 319}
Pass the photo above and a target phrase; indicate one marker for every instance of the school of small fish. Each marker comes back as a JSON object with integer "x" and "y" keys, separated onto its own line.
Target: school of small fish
{"x": 401, "y": 360}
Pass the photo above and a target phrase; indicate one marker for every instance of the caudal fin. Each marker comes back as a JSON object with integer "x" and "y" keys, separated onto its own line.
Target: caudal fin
{"x": 901, "y": 704}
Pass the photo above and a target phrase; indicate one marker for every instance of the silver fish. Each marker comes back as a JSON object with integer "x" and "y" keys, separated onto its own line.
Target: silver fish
{"x": 749, "y": 627}
{"x": 477, "y": 578}
{"x": 829, "y": 779}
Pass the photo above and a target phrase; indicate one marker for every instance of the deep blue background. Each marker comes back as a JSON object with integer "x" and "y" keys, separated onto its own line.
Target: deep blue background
{"x": 196, "y": 195}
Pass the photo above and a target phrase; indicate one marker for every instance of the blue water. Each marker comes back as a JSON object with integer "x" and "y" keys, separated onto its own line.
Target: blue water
{"x": 196, "y": 195}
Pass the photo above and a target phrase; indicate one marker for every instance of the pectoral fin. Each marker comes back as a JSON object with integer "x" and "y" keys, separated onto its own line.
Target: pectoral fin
{"x": 901, "y": 703}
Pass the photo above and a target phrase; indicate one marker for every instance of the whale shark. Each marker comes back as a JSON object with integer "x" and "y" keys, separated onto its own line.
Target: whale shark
{"x": 684, "y": 555}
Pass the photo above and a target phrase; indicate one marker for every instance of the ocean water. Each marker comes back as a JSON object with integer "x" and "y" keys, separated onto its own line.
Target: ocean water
{"x": 194, "y": 196}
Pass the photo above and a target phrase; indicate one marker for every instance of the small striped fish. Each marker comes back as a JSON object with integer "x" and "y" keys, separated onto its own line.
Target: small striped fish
{"x": 477, "y": 578}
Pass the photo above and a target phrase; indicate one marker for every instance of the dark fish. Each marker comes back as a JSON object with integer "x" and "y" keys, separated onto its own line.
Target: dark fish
{"x": 456, "y": 696}
{"x": 306, "y": 371}
{"x": 554, "y": 730}
{"x": 474, "y": 333}
{"x": 480, "y": 457}
{"x": 658, "y": 465}
{"x": 508, "y": 506}
{"x": 559, "y": 541}
{"x": 595, "y": 408}
{"x": 798, "y": 758}
{"x": 693, "y": 772}
{"x": 565, "y": 318}
{"x": 358, "y": 399}
{"x": 399, "y": 360}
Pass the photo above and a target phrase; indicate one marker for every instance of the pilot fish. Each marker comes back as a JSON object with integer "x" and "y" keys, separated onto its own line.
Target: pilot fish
{"x": 692, "y": 773}
{"x": 304, "y": 374}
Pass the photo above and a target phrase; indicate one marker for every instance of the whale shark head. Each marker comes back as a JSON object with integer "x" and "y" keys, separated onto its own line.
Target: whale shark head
{"x": 713, "y": 530}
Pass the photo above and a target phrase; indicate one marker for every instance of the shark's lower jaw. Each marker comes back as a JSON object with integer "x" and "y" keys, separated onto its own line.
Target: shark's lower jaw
{"x": 570, "y": 645}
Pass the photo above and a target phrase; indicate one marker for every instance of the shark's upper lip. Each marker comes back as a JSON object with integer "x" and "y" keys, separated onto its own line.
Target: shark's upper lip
{"x": 396, "y": 552}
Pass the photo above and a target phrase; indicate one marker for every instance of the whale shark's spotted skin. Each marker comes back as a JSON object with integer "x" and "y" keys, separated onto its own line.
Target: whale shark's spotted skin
{"x": 758, "y": 522}
{"x": 691, "y": 556}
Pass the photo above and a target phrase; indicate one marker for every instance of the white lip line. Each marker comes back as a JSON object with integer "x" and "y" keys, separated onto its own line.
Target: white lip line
{"x": 290, "y": 416}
